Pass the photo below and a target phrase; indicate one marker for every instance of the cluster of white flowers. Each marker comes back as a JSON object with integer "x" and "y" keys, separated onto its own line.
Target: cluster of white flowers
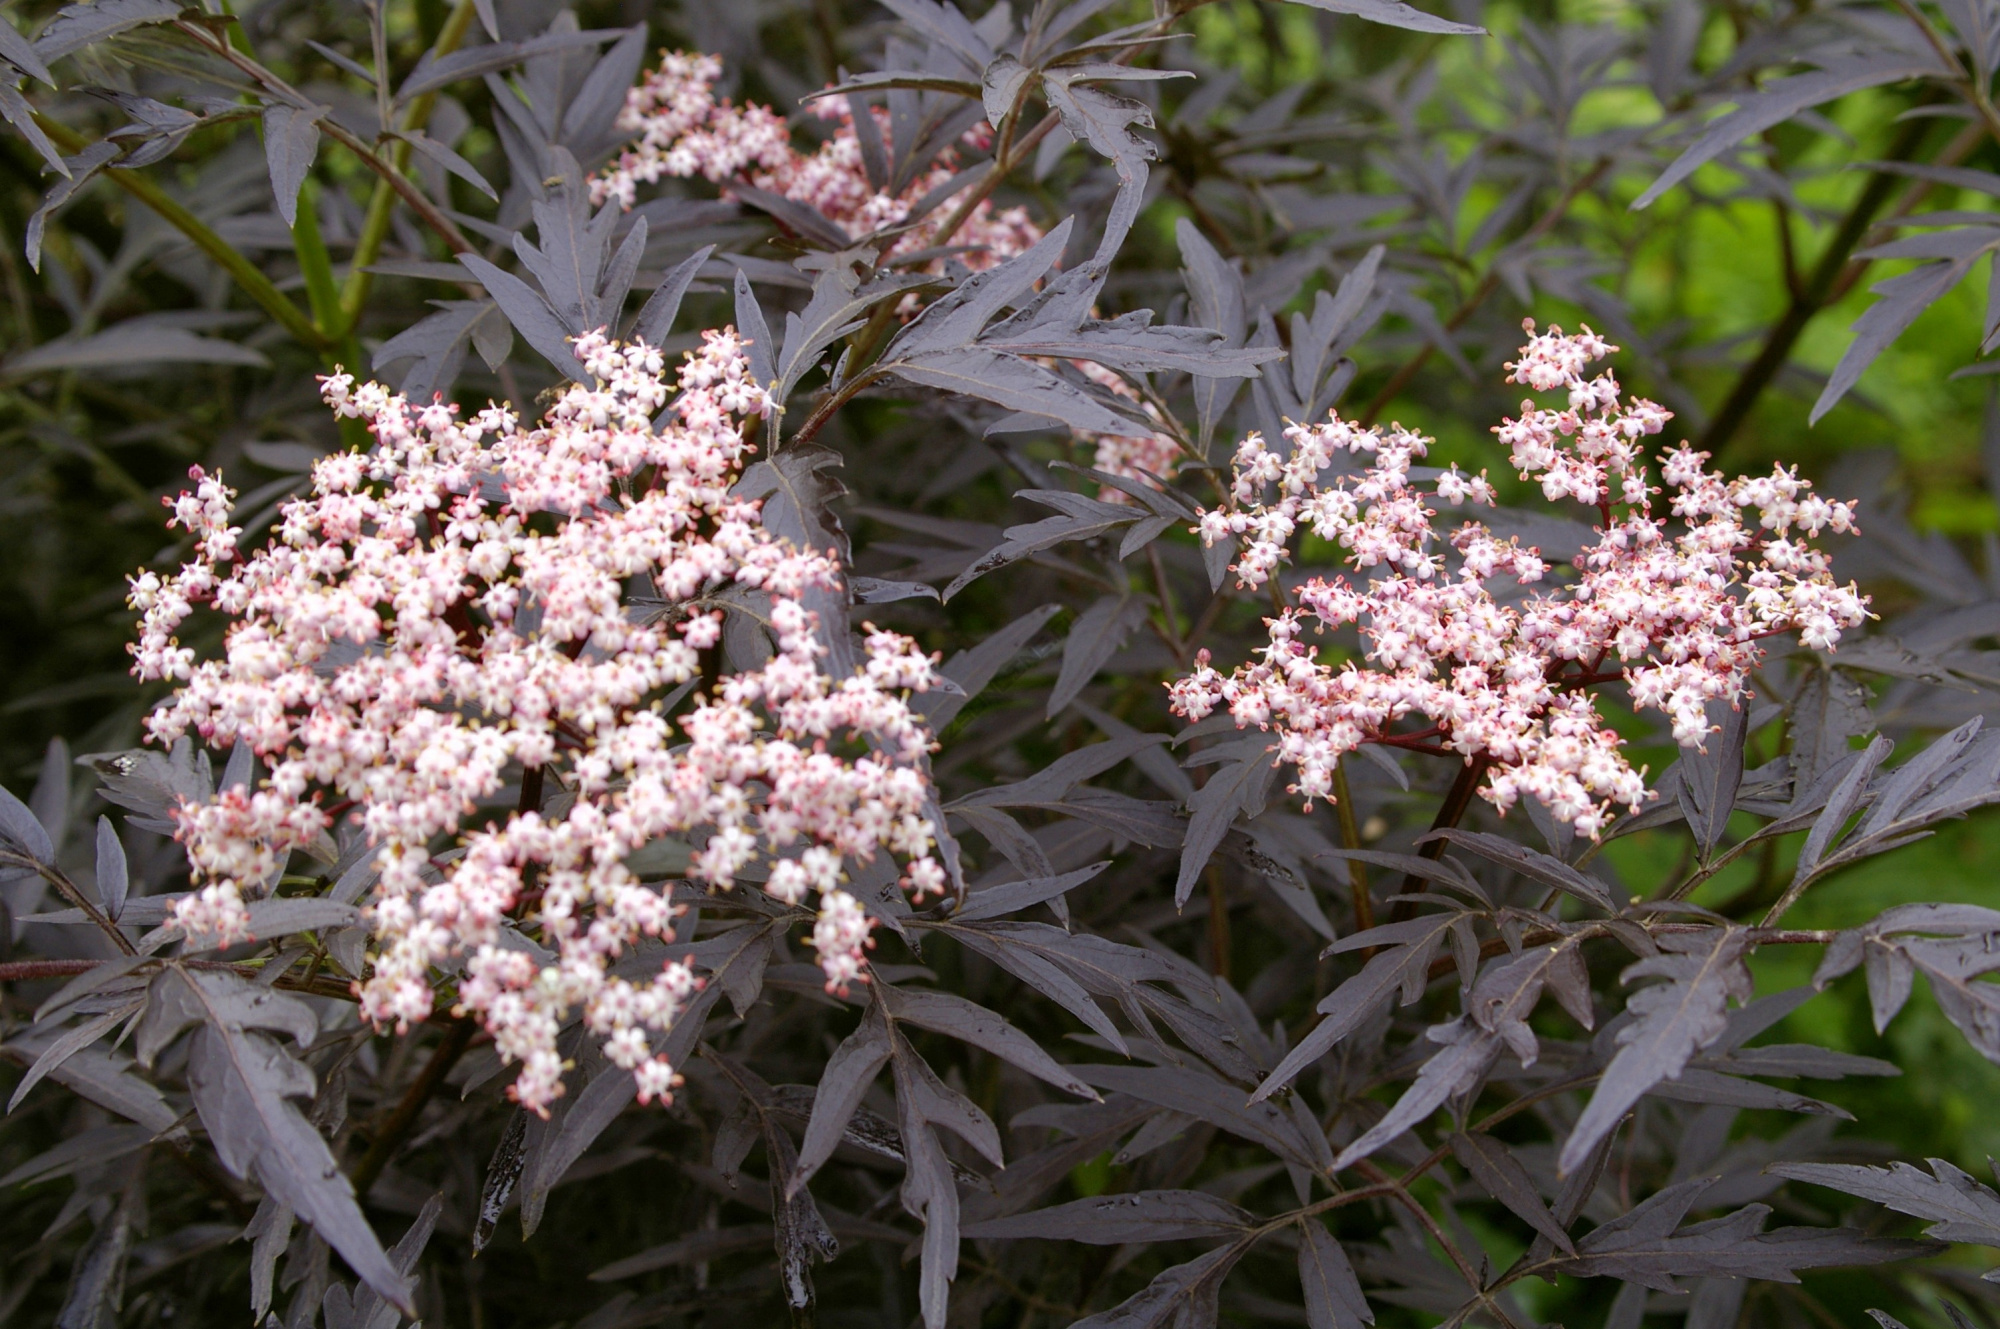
{"x": 681, "y": 130}
{"x": 1679, "y": 617}
{"x": 448, "y": 613}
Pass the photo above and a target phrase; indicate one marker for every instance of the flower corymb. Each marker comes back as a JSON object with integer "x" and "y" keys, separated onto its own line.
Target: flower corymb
{"x": 680, "y": 129}
{"x": 1674, "y": 607}
{"x": 475, "y": 607}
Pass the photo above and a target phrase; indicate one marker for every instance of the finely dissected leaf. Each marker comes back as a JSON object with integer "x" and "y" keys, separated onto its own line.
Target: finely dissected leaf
{"x": 366, "y": 1309}
{"x": 1829, "y": 709}
{"x": 1108, "y": 122}
{"x": 1014, "y": 382}
{"x": 243, "y": 1083}
{"x": 655, "y": 318}
{"x": 849, "y": 1071}
{"x": 1045, "y": 976}
{"x": 136, "y": 341}
{"x": 1894, "y": 953}
{"x": 88, "y": 1149}
{"x": 1333, "y": 1294}
{"x": 78, "y": 171}
{"x": 1014, "y": 896}
{"x": 605, "y": 1091}
{"x": 269, "y": 1231}
{"x": 529, "y": 313}
{"x": 941, "y": 1105}
{"x": 1531, "y": 863}
{"x": 443, "y": 155}
{"x": 1468, "y": 1053}
{"x": 77, "y": 26}
{"x": 944, "y": 1013}
{"x": 930, "y": 1196}
{"x": 97, "y": 1279}
{"x": 1711, "y": 775}
{"x": 291, "y": 141}
{"x": 1112, "y": 1220}
{"x": 1353, "y": 1002}
{"x": 1214, "y": 807}
{"x": 21, "y": 830}
{"x": 1184, "y": 1297}
{"x": 1781, "y": 99}
{"x": 1000, "y": 87}
{"x": 1493, "y": 1165}
{"x": 975, "y": 667}
{"x": 1648, "y": 1246}
{"x": 17, "y": 51}
{"x": 956, "y": 319}
{"x": 1497, "y": 1010}
{"x": 841, "y": 297}
{"x": 1216, "y": 300}
{"x": 1956, "y": 774}
{"x": 1395, "y": 14}
{"x": 19, "y": 112}
{"x": 590, "y": 121}
{"x": 799, "y": 1232}
{"x": 1958, "y": 1207}
{"x": 105, "y": 1078}
{"x": 1096, "y": 636}
{"x": 1903, "y": 299}
{"x": 436, "y": 344}
{"x": 433, "y": 74}
{"x": 758, "y": 344}
{"x": 1673, "y": 1021}
{"x": 1082, "y": 518}
{"x": 1056, "y": 780}
{"x": 1185, "y": 1089}
{"x": 280, "y": 917}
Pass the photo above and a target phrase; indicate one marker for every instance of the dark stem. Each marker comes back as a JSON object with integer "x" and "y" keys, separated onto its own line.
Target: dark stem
{"x": 1813, "y": 295}
{"x": 392, "y": 1132}
{"x": 1456, "y": 800}
{"x": 66, "y": 888}
{"x": 1218, "y": 924}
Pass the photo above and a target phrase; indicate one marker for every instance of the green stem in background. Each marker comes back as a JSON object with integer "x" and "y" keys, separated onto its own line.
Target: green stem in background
{"x": 396, "y": 1127}
{"x": 382, "y": 204}
{"x": 316, "y": 265}
{"x": 245, "y": 273}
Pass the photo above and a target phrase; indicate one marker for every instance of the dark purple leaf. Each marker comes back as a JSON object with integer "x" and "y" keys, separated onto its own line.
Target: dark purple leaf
{"x": 1333, "y": 1295}
{"x": 1673, "y": 1021}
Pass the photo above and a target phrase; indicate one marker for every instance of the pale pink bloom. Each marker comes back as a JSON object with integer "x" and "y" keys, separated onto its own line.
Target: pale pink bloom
{"x": 1676, "y": 611}
{"x": 455, "y": 607}
{"x": 679, "y": 129}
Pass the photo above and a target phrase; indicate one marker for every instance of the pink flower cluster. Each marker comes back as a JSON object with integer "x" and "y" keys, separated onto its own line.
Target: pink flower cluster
{"x": 1676, "y": 611}
{"x": 475, "y": 604}
{"x": 680, "y": 129}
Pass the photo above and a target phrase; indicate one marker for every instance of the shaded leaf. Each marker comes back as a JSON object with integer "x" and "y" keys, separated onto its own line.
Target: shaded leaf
{"x": 1395, "y": 14}
{"x": 291, "y": 141}
{"x": 1112, "y": 1220}
{"x": 1333, "y": 1294}
{"x": 1672, "y": 1021}
{"x": 1781, "y": 99}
